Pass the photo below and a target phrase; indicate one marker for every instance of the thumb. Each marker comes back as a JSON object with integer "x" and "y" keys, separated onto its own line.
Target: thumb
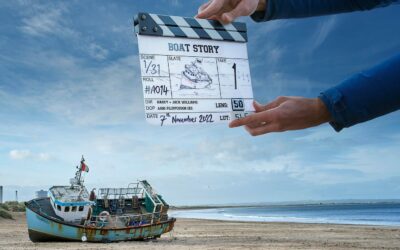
{"x": 258, "y": 107}
{"x": 202, "y": 7}
{"x": 229, "y": 17}
{"x": 210, "y": 9}
{"x": 240, "y": 10}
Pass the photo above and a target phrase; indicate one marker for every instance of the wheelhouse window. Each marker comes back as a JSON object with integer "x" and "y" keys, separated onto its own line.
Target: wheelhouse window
{"x": 58, "y": 207}
{"x": 66, "y": 209}
{"x": 73, "y": 209}
{"x": 80, "y": 208}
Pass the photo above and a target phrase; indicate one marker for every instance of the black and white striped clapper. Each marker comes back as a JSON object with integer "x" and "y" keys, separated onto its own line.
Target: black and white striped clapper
{"x": 186, "y": 27}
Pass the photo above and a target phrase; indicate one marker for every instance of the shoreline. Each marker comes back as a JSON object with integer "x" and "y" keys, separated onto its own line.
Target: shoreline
{"x": 369, "y": 214}
{"x": 287, "y": 204}
{"x": 291, "y": 222}
{"x": 216, "y": 234}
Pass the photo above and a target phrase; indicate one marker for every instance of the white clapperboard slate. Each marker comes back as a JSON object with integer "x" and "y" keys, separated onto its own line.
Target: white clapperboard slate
{"x": 193, "y": 71}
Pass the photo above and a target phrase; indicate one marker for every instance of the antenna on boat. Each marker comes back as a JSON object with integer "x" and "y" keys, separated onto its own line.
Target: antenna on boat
{"x": 78, "y": 174}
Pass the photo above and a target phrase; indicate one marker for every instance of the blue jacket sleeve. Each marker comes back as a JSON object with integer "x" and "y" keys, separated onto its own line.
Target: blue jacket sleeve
{"x": 365, "y": 96}
{"x": 283, "y": 9}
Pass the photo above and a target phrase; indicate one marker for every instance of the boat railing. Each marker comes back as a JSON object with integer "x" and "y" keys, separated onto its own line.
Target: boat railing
{"x": 152, "y": 195}
{"x": 126, "y": 220}
{"x": 119, "y": 192}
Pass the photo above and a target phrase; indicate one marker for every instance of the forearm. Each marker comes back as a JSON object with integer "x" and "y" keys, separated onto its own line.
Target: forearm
{"x": 365, "y": 96}
{"x": 283, "y": 9}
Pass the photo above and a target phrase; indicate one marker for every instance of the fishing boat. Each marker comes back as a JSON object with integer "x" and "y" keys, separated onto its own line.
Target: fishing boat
{"x": 71, "y": 213}
{"x": 194, "y": 77}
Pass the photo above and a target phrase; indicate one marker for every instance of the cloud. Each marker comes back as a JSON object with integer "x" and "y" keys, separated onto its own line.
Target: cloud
{"x": 20, "y": 154}
{"x": 70, "y": 86}
{"x": 97, "y": 52}
{"x": 46, "y": 20}
{"x": 53, "y": 20}
{"x": 277, "y": 83}
{"x": 319, "y": 134}
{"x": 322, "y": 33}
{"x": 272, "y": 30}
{"x": 44, "y": 156}
{"x": 270, "y": 50}
{"x": 107, "y": 94}
{"x": 174, "y": 3}
{"x": 23, "y": 154}
{"x": 372, "y": 159}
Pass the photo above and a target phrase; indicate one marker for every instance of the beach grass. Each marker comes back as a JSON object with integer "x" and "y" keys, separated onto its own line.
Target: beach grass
{"x": 5, "y": 214}
{"x": 13, "y": 206}
{"x": 4, "y": 207}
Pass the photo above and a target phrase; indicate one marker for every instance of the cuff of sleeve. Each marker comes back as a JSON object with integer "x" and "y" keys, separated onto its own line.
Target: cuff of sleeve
{"x": 334, "y": 102}
{"x": 264, "y": 15}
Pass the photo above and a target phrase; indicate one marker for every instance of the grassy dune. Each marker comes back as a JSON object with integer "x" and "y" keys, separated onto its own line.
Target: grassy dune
{"x": 11, "y": 206}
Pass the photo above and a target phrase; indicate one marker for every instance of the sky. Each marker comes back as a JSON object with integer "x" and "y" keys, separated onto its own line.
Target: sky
{"x": 70, "y": 86}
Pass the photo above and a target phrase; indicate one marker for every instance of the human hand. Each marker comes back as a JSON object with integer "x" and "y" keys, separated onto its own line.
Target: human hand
{"x": 284, "y": 113}
{"x": 226, "y": 11}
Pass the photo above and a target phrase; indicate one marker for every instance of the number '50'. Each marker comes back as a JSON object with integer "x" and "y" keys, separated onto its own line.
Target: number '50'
{"x": 237, "y": 104}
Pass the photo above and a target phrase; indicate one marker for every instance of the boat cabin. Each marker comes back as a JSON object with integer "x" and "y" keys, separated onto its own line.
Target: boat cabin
{"x": 71, "y": 203}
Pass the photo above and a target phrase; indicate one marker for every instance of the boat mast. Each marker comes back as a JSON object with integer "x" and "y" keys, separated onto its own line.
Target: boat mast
{"x": 78, "y": 174}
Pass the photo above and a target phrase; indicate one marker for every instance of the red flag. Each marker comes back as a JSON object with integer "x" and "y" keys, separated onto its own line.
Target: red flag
{"x": 84, "y": 167}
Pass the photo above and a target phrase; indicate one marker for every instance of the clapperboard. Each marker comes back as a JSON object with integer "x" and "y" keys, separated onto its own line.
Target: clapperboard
{"x": 193, "y": 71}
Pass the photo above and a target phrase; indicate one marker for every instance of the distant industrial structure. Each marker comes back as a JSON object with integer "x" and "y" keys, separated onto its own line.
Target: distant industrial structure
{"x": 1, "y": 194}
{"x": 16, "y": 195}
{"x": 41, "y": 194}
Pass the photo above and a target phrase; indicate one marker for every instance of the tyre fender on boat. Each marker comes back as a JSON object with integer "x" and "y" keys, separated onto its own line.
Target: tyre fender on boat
{"x": 103, "y": 216}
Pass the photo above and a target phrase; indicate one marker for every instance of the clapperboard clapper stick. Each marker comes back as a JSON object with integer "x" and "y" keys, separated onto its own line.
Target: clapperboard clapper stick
{"x": 194, "y": 71}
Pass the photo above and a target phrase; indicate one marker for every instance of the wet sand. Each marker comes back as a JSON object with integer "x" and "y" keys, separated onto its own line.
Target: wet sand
{"x": 208, "y": 234}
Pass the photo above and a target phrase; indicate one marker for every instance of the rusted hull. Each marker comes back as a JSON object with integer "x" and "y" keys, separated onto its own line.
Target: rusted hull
{"x": 43, "y": 228}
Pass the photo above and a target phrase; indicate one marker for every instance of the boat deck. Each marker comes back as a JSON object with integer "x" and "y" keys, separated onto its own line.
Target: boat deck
{"x": 43, "y": 206}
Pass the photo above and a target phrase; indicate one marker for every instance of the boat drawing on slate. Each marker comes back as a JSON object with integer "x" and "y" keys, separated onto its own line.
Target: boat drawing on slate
{"x": 194, "y": 77}
{"x": 136, "y": 212}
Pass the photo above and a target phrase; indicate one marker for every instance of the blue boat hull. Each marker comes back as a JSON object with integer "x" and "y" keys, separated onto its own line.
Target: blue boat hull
{"x": 45, "y": 228}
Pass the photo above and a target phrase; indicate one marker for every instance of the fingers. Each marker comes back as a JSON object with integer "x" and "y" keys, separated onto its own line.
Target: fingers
{"x": 227, "y": 18}
{"x": 251, "y": 119}
{"x": 275, "y": 103}
{"x": 267, "y": 128}
{"x": 238, "y": 11}
{"x": 212, "y": 8}
{"x": 203, "y": 6}
{"x": 258, "y": 107}
{"x": 215, "y": 17}
{"x": 255, "y": 124}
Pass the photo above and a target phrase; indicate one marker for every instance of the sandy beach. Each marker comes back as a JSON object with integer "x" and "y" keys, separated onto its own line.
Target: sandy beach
{"x": 208, "y": 234}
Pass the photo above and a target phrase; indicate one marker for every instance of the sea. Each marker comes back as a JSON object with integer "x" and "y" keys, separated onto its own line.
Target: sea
{"x": 384, "y": 214}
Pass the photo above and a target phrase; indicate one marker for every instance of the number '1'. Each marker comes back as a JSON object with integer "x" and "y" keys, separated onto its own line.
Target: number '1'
{"x": 234, "y": 72}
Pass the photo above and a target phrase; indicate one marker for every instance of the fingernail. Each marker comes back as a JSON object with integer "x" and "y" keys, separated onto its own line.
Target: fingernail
{"x": 255, "y": 103}
{"x": 227, "y": 18}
